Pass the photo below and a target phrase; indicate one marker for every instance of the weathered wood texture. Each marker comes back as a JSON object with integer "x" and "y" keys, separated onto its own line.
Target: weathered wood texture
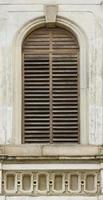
{"x": 50, "y": 86}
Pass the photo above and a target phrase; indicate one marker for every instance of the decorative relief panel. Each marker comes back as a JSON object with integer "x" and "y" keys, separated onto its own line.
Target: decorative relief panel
{"x": 50, "y": 182}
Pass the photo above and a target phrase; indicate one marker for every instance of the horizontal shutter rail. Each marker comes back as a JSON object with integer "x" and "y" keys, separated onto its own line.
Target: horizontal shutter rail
{"x": 71, "y": 70}
{"x": 43, "y": 71}
{"x": 36, "y": 99}
{"x": 38, "y": 80}
{"x": 65, "y": 123}
{"x": 40, "y": 63}
{"x": 66, "y": 95}
{"x": 44, "y": 51}
{"x": 71, "y": 116}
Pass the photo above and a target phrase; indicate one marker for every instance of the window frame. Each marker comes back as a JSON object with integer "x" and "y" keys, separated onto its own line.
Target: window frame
{"x": 17, "y": 64}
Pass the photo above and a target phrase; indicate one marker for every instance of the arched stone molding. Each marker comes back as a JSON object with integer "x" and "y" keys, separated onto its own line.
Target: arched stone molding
{"x": 17, "y": 64}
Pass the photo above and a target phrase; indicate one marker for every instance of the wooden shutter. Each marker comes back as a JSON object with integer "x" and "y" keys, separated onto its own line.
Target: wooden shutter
{"x": 50, "y": 87}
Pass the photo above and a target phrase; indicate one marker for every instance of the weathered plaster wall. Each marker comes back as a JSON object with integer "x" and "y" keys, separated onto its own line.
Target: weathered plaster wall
{"x": 88, "y": 15}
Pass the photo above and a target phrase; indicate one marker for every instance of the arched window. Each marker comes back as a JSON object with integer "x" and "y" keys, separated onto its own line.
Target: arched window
{"x": 50, "y": 84}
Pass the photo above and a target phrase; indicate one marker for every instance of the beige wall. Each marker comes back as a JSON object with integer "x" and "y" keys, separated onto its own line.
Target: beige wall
{"x": 88, "y": 17}
{"x": 85, "y": 18}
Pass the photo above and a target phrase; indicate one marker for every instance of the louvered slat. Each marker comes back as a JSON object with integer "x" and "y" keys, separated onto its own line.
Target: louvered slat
{"x": 50, "y": 87}
{"x": 63, "y": 76}
{"x": 36, "y": 85}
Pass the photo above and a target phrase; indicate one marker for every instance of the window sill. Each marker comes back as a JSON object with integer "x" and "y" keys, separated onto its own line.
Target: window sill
{"x": 51, "y": 151}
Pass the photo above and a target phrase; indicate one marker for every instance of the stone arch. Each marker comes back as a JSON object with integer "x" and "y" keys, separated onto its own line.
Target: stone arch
{"x": 16, "y": 63}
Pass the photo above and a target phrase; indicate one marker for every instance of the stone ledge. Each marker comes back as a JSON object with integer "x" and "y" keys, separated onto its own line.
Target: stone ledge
{"x": 51, "y": 198}
{"x": 38, "y": 150}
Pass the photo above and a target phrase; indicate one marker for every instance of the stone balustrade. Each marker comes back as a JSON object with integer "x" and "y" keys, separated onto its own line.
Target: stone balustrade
{"x": 50, "y": 182}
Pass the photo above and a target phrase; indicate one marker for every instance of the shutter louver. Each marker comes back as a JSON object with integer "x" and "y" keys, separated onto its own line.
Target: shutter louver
{"x": 50, "y": 87}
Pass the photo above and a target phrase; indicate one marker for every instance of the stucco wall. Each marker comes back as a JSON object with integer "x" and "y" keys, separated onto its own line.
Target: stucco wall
{"x": 88, "y": 16}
